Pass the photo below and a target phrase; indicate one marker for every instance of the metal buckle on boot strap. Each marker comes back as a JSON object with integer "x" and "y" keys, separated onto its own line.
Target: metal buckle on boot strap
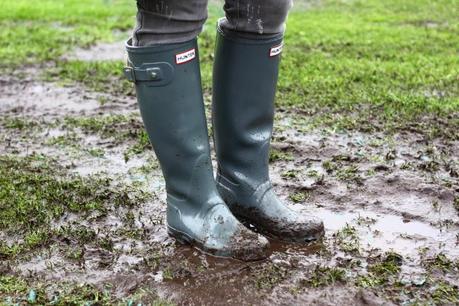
{"x": 157, "y": 74}
{"x": 129, "y": 74}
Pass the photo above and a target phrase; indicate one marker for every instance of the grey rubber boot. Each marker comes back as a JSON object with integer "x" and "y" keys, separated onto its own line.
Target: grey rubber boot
{"x": 168, "y": 86}
{"x": 245, "y": 78}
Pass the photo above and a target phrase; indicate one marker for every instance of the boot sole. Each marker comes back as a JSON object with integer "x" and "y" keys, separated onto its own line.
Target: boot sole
{"x": 186, "y": 239}
{"x": 263, "y": 231}
{"x": 229, "y": 198}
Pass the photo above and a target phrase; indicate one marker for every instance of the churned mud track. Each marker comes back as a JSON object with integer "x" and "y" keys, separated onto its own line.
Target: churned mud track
{"x": 390, "y": 204}
{"x": 26, "y": 95}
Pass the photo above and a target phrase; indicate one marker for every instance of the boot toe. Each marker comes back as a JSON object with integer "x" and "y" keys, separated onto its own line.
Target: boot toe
{"x": 300, "y": 228}
{"x": 249, "y": 246}
{"x": 227, "y": 237}
{"x": 311, "y": 228}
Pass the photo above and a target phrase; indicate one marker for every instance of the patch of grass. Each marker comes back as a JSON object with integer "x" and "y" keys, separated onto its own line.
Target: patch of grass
{"x": 74, "y": 253}
{"x": 382, "y": 273}
{"x": 147, "y": 168}
{"x": 18, "y": 123}
{"x": 69, "y": 294}
{"x": 35, "y": 191}
{"x": 313, "y": 173}
{"x": 347, "y": 239}
{"x": 117, "y": 127}
{"x": 277, "y": 155}
{"x": 349, "y": 174}
{"x": 269, "y": 276}
{"x": 47, "y": 29}
{"x": 96, "y": 152}
{"x": 429, "y": 166}
{"x": 69, "y": 139}
{"x": 440, "y": 262}
{"x": 153, "y": 260}
{"x": 290, "y": 174}
{"x": 329, "y": 166}
{"x": 10, "y": 285}
{"x": 365, "y": 221}
{"x": 35, "y": 239}
{"x": 346, "y": 63}
{"x": 325, "y": 276}
{"x": 17, "y": 291}
{"x": 100, "y": 76}
{"x": 168, "y": 274}
{"x": 445, "y": 293}
{"x": 299, "y": 197}
{"x": 76, "y": 233}
{"x": 349, "y": 64}
{"x": 389, "y": 266}
{"x": 342, "y": 56}
{"x": 37, "y": 195}
{"x": 104, "y": 125}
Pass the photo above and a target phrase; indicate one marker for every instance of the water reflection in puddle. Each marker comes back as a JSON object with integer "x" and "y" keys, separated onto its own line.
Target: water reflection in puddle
{"x": 392, "y": 232}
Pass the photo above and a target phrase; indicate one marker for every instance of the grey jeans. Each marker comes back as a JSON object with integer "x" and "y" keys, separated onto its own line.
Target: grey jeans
{"x": 172, "y": 21}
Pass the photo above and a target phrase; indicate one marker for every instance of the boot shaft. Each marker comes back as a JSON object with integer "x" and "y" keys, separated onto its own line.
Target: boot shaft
{"x": 168, "y": 85}
{"x": 245, "y": 80}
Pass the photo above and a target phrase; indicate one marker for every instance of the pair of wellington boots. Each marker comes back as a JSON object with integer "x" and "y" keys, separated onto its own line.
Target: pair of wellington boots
{"x": 214, "y": 215}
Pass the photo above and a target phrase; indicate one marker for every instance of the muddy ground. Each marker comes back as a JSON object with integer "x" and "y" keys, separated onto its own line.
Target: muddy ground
{"x": 390, "y": 203}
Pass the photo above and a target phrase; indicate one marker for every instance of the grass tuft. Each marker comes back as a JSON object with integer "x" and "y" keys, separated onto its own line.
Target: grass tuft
{"x": 36, "y": 191}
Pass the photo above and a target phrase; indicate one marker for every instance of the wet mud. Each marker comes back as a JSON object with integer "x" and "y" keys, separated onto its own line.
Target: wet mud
{"x": 378, "y": 194}
{"x": 100, "y": 52}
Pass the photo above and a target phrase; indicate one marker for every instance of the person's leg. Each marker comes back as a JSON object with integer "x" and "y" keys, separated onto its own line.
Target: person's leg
{"x": 168, "y": 85}
{"x": 256, "y": 17}
{"x": 247, "y": 56}
{"x": 168, "y": 21}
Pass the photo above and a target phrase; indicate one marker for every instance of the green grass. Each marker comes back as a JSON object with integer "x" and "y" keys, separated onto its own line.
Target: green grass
{"x": 384, "y": 272}
{"x": 358, "y": 64}
{"x": 299, "y": 197}
{"x": 347, "y": 239}
{"x": 445, "y": 293}
{"x": 100, "y": 76}
{"x": 35, "y": 191}
{"x": 345, "y": 54}
{"x": 276, "y": 155}
{"x": 42, "y": 31}
{"x": 19, "y": 291}
{"x": 270, "y": 275}
{"x": 119, "y": 128}
{"x": 325, "y": 276}
{"x": 441, "y": 263}
{"x": 116, "y": 127}
{"x": 350, "y": 64}
{"x": 18, "y": 123}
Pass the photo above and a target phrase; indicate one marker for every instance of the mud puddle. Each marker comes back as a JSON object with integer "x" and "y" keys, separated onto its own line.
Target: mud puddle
{"x": 386, "y": 232}
{"x": 114, "y": 51}
{"x": 34, "y": 98}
